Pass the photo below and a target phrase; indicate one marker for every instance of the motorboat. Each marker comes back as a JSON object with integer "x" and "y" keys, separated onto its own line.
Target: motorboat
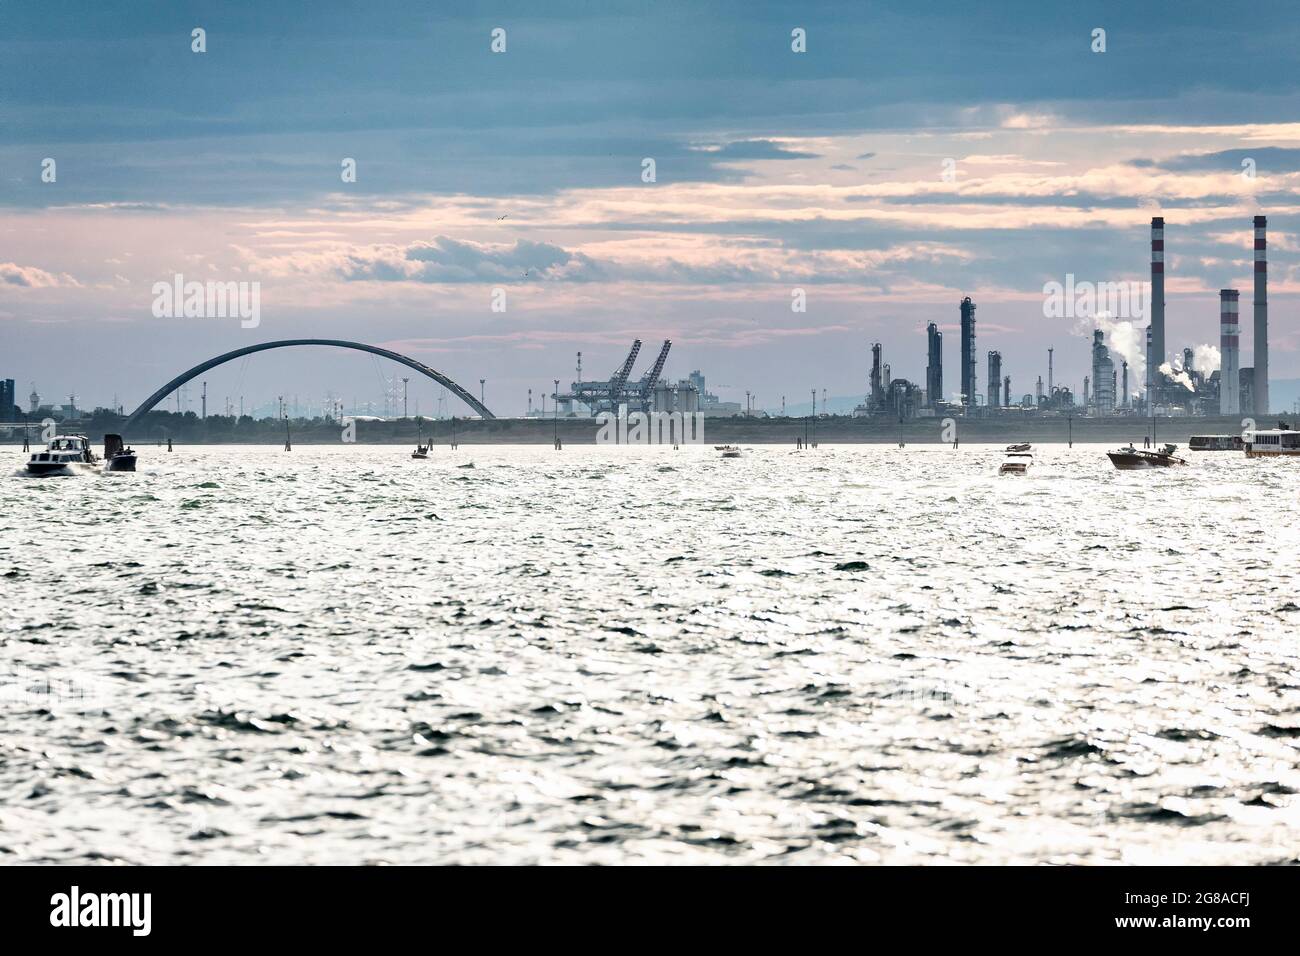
{"x": 1216, "y": 443}
{"x": 421, "y": 449}
{"x": 1273, "y": 443}
{"x": 1017, "y": 462}
{"x": 728, "y": 451}
{"x": 62, "y": 455}
{"x": 1132, "y": 459}
{"x": 117, "y": 456}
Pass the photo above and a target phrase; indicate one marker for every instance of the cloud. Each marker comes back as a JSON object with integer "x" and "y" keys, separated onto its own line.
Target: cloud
{"x": 1267, "y": 159}
{"x": 446, "y": 260}
{"x": 757, "y": 149}
{"x": 30, "y": 277}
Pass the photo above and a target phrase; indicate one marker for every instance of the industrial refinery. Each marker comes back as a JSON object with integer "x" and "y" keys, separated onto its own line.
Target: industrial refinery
{"x": 1194, "y": 381}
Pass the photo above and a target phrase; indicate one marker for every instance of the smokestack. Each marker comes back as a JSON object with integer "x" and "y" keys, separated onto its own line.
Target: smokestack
{"x": 1006, "y": 390}
{"x": 1124, "y": 400}
{"x": 1157, "y": 355}
{"x": 1049, "y": 371}
{"x": 1230, "y": 370}
{"x": 1150, "y": 367}
{"x": 1261, "y": 316}
{"x": 995, "y": 378}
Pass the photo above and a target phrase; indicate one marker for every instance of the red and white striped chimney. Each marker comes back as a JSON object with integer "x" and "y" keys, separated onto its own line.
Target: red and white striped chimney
{"x": 1157, "y": 350}
{"x": 1230, "y": 370}
{"x": 1261, "y": 316}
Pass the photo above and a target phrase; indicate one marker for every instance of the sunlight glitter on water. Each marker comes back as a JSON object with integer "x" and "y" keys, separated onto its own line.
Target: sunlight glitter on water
{"x": 862, "y": 653}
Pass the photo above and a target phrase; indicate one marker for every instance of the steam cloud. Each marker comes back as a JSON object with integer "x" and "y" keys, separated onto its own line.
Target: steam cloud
{"x": 1176, "y": 374}
{"x": 1123, "y": 337}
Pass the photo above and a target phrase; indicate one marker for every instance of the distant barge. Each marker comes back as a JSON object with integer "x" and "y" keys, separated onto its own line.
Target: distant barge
{"x": 1216, "y": 443}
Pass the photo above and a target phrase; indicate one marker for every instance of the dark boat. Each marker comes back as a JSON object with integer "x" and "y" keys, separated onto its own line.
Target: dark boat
{"x": 117, "y": 456}
{"x": 1133, "y": 459}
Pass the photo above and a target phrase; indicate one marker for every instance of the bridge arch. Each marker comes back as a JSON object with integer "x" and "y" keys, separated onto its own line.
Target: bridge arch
{"x": 147, "y": 405}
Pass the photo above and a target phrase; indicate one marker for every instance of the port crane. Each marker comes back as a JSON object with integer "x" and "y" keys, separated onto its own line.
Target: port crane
{"x": 608, "y": 395}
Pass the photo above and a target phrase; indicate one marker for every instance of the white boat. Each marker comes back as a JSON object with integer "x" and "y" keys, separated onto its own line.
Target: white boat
{"x": 1020, "y": 447}
{"x": 1272, "y": 443}
{"x": 62, "y": 455}
{"x": 1017, "y": 462}
{"x": 728, "y": 451}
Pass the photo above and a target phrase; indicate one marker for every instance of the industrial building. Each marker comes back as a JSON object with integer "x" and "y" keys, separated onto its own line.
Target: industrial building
{"x": 9, "y": 410}
{"x": 1103, "y": 376}
{"x": 1172, "y": 386}
{"x": 995, "y": 379}
{"x": 968, "y": 352}
{"x": 933, "y": 365}
{"x": 707, "y": 402}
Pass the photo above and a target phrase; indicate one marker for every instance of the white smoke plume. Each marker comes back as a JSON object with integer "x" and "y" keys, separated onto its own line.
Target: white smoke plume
{"x": 1207, "y": 359}
{"x": 1123, "y": 337}
{"x": 1176, "y": 374}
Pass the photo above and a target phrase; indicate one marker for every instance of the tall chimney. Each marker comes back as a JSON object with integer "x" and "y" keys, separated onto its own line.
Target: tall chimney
{"x": 1123, "y": 402}
{"x": 1006, "y": 390}
{"x": 1157, "y": 356}
{"x": 1230, "y": 370}
{"x": 1049, "y": 371}
{"x": 1261, "y": 316}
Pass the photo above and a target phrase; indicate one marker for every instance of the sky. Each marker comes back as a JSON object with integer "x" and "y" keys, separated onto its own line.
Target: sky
{"x": 913, "y": 154}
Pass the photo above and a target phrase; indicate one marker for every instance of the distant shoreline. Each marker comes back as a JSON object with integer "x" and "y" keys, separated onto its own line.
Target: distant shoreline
{"x": 838, "y": 430}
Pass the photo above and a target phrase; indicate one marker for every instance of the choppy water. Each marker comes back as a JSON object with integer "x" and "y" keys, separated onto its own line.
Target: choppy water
{"x": 857, "y": 654}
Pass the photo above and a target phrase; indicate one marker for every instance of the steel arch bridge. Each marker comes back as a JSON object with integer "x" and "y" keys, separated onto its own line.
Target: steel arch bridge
{"x": 147, "y": 405}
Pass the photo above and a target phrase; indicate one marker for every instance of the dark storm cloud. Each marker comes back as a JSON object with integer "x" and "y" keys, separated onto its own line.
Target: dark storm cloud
{"x": 1266, "y": 159}
{"x": 411, "y": 90}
